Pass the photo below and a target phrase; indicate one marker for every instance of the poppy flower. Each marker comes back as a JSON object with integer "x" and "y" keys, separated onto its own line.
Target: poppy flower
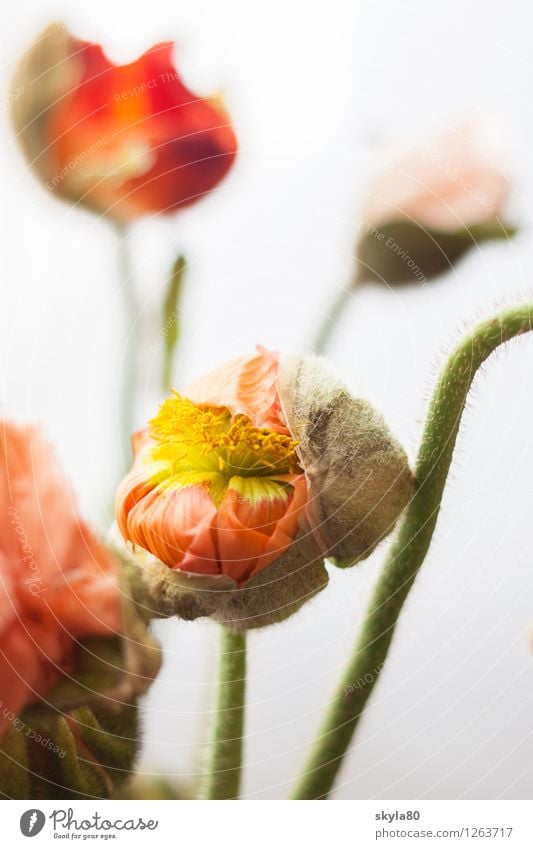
{"x": 59, "y": 588}
{"x": 243, "y": 485}
{"x": 124, "y": 140}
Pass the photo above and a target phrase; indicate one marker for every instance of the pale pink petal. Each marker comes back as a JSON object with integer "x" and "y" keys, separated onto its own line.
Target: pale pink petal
{"x": 247, "y": 386}
{"x": 448, "y": 185}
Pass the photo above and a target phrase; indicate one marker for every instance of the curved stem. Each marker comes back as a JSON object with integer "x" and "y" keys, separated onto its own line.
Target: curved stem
{"x": 332, "y": 317}
{"x": 226, "y": 754}
{"x": 129, "y": 372}
{"x": 409, "y": 550}
{"x": 329, "y": 322}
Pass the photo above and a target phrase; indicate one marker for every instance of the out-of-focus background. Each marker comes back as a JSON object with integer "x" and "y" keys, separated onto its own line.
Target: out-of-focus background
{"x": 319, "y": 92}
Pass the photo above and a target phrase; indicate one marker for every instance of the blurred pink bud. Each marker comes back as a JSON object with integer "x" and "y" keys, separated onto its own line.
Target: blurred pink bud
{"x": 432, "y": 205}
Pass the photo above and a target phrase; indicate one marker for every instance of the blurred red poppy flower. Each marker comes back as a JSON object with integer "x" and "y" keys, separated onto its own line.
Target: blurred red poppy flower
{"x": 125, "y": 140}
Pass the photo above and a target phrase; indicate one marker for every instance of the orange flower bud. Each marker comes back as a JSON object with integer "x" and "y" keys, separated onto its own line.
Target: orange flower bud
{"x": 65, "y": 623}
{"x": 125, "y": 140}
{"x": 245, "y": 485}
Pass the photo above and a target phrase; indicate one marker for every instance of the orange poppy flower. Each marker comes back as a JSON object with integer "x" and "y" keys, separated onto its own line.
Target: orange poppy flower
{"x": 125, "y": 140}
{"x": 217, "y": 487}
{"x": 58, "y": 584}
{"x": 244, "y": 485}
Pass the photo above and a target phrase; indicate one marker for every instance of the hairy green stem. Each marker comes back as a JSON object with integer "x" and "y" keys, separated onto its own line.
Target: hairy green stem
{"x": 408, "y": 551}
{"x": 224, "y": 776}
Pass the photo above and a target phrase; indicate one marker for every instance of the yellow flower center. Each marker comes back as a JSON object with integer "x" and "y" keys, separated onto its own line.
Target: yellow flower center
{"x": 207, "y": 445}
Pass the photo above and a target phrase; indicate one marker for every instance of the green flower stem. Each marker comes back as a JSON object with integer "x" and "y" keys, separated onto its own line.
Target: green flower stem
{"x": 224, "y": 776}
{"x": 409, "y": 550}
{"x": 323, "y": 336}
{"x": 130, "y": 367}
{"x": 332, "y": 317}
{"x": 171, "y": 325}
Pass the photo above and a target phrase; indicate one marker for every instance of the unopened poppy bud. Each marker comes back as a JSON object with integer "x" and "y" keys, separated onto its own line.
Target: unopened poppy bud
{"x": 241, "y": 488}
{"x": 429, "y": 208}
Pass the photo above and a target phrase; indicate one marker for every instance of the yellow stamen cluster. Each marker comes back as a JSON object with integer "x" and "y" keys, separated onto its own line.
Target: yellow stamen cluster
{"x": 196, "y": 439}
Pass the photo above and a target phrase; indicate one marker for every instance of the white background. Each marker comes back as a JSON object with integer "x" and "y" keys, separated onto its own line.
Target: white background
{"x": 317, "y": 91}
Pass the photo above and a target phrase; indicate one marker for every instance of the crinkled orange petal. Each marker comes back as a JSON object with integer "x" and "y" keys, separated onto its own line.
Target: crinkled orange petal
{"x": 246, "y": 386}
{"x": 176, "y": 526}
{"x": 58, "y": 583}
{"x": 97, "y": 588}
{"x": 239, "y": 545}
{"x": 39, "y": 494}
{"x": 286, "y": 529}
{"x": 135, "y": 486}
{"x": 252, "y": 532}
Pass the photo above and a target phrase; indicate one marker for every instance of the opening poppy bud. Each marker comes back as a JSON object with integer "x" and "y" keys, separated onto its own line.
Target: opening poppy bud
{"x": 124, "y": 140}
{"x": 243, "y": 486}
{"x": 429, "y": 208}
